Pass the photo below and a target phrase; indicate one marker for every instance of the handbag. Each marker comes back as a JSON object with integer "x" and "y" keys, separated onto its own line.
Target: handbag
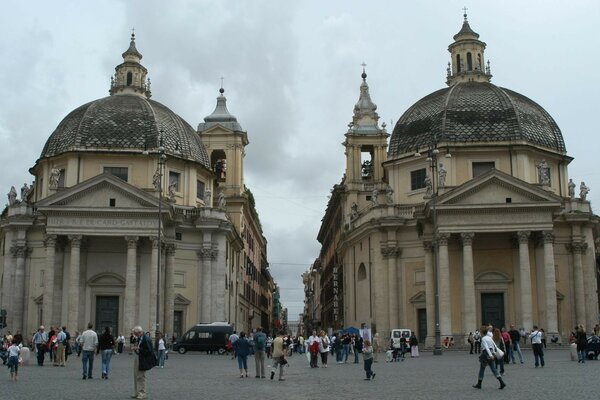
{"x": 499, "y": 354}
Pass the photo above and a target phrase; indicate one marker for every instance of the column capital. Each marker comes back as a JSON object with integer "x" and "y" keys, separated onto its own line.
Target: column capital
{"x": 467, "y": 238}
{"x": 207, "y": 253}
{"x": 391, "y": 252}
{"x": 19, "y": 251}
{"x": 154, "y": 241}
{"x": 132, "y": 241}
{"x": 442, "y": 239}
{"x": 547, "y": 237}
{"x": 427, "y": 246}
{"x": 170, "y": 249}
{"x": 523, "y": 236}
{"x": 577, "y": 247}
{"x": 75, "y": 240}
{"x": 50, "y": 240}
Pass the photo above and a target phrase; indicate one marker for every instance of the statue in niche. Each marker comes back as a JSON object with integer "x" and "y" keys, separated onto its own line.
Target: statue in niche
{"x": 428, "y": 187}
{"x": 442, "y": 176}
{"x": 54, "y": 178}
{"x": 389, "y": 192}
{"x": 156, "y": 179}
{"x": 12, "y": 196}
{"x": 222, "y": 201}
{"x": 583, "y": 191}
{"x": 354, "y": 211}
{"x": 172, "y": 191}
{"x": 572, "y": 187}
{"x": 208, "y": 198}
{"x": 374, "y": 195}
{"x": 543, "y": 173}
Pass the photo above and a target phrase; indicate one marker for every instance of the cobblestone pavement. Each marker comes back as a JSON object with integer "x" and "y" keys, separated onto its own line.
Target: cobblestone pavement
{"x": 196, "y": 375}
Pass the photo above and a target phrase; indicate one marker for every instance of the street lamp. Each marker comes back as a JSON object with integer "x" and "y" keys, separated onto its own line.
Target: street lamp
{"x": 432, "y": 153}
{"x": 161, "y": 165}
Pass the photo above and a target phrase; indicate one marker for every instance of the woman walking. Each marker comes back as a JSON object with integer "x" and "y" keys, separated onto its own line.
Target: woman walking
{"x": 106, "y": 343}
{"x": 162, "y": 350}
{"x": 324, "y": 348}
{"x": 581, "y": 340}
{"x": 242, "y": 350}
{"x": 414, "y": 346}
{"x": 487, "y": 359}
{"x": 13, "y": 360}
{"x": 367, "y": 351}
{"x": 499, "y": 342}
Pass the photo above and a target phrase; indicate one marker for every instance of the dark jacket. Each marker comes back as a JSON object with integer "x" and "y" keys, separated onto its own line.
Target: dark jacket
{"x": 242, "y": 347}
{"x": 581, "y": 340}
{"x": 147, "y": 358}
{"x": 106, "y": 341}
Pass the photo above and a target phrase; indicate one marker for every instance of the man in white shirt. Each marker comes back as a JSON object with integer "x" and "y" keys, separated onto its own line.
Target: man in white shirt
{"x": 536, "y": 346}
{"x": 487, "y": 358}
{"x": 88, "y": 341}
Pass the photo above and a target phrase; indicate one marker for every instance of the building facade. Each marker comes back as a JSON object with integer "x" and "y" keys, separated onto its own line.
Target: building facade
{"x": 470, "y": 200}
{"x": 133, "y": 218}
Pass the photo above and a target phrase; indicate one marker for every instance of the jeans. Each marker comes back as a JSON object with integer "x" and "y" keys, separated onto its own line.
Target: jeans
{"x": 368, "y": 364}
{"x": 355, "y": 355}
{"x": 106, "y": 356}
{"x": 581, "y": 354}
{"x": 88, "y": 362}
{"x": 161, "y": 358}
{"x": 478, "y": 347}
{"x": 538, "y": 353}
{"x": 243, "y": 362}
{"x": 345, "y": 351}
{"x": 492, "y": 366}
{"x": 500, "y": 365}
{"x": 516, "y": 348}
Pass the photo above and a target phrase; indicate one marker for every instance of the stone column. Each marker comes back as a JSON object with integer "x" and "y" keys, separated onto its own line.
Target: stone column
{"x": 130, "y": 284}
{"x": 469, "y": 309}
{"x": 578, "y": 248}
{"x": 18, "y": 301}
{"x": 525, "y": 278}
{"x": 550, "y": 284}
{"x": 429, "y": 294}
{"x": 74, "y": 277}
{"x": 49, "y": 271}
{"x": 169, "y": 288}
{"x": 204, "y": 306}
{"x": 389, "y": 254}
{"x": 444, "y": 299}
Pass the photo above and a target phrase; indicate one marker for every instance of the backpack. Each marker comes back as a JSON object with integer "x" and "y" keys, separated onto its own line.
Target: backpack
{"x": 260, "y": 342}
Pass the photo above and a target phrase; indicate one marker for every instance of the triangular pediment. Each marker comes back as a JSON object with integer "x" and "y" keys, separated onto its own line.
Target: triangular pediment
{"x": 495, "y": 188}
{"x": 100, "y": 192}
{"x": 181, "y": 300}
{"x": 418, "y": 298}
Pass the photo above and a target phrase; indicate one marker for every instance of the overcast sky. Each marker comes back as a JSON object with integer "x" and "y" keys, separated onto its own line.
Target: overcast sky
{"x": 292, "y": 75}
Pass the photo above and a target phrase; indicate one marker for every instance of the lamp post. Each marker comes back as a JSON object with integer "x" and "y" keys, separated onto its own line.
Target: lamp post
{"x": 432, "y": 157}
{"x": 161, "y": 165}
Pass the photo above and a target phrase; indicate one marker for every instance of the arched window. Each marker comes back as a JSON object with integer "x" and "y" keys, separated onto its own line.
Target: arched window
{"x": 219, "y": 162}
{"x": 458, "y": 65}
{"x": 129, "y": 78}
{"x": 469, "y": 62}
{"x": 362, "y": 272}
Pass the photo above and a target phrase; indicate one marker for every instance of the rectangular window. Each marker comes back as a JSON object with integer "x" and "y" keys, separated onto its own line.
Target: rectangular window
{"x": 417, "y": 179}
{"x": 480, "y": 168}
{"x": 61, "y": 178}
{"x": 200, "y": 190}
{"x": 174, "y": 180}
{"x": 119, "y": 172}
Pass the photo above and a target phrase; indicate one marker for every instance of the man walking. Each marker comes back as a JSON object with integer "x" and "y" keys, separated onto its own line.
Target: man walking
{"x": 40, "y": 339}
{"x": 536, "y": 345}
{"x": 515, "y": 337}
{"x": 278, "y": 356}
{"x": 260, "y": 341}
{"x": 88, "y": 342}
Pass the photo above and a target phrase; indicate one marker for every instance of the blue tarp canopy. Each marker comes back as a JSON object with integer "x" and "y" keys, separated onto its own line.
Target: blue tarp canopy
{"x": 351, "y": 330}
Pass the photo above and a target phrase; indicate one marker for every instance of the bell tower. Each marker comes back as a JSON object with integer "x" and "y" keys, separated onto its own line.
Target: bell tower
{"x": 366, "y": 148}
{"x": 130, "y": 76}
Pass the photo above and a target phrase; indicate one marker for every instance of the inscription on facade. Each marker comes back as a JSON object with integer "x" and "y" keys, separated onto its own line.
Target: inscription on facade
{"x": 102, "y": 222}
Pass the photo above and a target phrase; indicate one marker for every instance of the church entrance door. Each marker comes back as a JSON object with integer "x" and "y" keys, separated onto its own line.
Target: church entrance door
{"x": 492, "y": 309}
{"x": 107, "y": 314}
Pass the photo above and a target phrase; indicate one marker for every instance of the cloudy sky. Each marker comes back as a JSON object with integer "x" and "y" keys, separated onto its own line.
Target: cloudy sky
{"x": 292, "y": 75}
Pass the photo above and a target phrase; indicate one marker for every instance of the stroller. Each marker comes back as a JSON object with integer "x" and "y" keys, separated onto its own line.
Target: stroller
{"x": 593, "y": 347}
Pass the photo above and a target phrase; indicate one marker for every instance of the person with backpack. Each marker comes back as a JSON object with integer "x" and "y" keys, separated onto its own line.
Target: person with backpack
{"x": 260, "y": 342}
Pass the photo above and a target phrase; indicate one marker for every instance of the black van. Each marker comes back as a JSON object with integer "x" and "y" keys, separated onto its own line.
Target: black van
{"x": 204, "y": 337}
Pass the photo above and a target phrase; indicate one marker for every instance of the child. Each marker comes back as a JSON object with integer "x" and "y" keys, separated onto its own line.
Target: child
{"x": 13, "y": 360}
{"x": 367, "y": 351}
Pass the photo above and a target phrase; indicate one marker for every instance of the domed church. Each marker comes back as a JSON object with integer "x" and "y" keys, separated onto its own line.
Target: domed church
{"x": 468, "y": 211}
{"x": 134, "y": 213}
